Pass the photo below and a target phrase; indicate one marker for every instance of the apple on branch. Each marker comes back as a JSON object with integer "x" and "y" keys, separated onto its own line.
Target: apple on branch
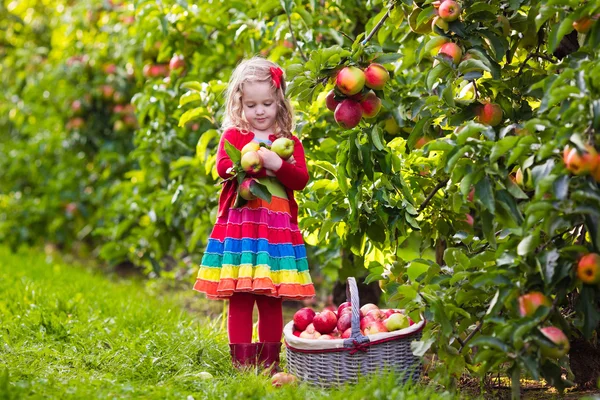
{"x": 376, "y": 76}
{"x": 348, "y": 113}
{"x": 350, "y": 80}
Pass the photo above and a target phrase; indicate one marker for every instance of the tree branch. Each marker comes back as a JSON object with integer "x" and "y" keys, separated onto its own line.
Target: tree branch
{"x": 294, "y": 37}
{"x": 379, "y": 25}
{"x": 430, "y": 196}
{"x": 470, "y": 336}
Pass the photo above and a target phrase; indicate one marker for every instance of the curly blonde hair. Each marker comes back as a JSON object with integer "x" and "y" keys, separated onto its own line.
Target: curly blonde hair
{"x": 256, "y": 69}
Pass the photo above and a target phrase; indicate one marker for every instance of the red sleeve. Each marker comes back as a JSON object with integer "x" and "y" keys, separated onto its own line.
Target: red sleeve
{"x": 223, "y": 160}
{"x": 294, "y": 176}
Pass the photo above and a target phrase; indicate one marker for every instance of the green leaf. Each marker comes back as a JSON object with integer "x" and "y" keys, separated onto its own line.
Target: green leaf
{"x": 420, "y": 347}
{"x": 203, "y": 143}
{"x": 188, "y": 97}
{"x": 527, "y": 245}
{"x": 502, "y": 147}
{"x": 484, "y": 194}
{"x": 558, "y": 32}
{"x": 490, "y": 342}
{"x": 472, "y": 65}
{"x": 192, "y": 85}
{"x": 377, "y": 138}
{"x": 233, "y": 152}
{"x": 260, "y": 190}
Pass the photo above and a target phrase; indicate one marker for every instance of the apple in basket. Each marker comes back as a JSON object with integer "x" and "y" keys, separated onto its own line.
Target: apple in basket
{"x": 325, "y": 322}
{"x": 396, "y": 322}
{"x": 343, "y": 306}
{"x": 310, "y": 333}
{"x": 366, "y": 308}
{"x": 377, "y": 315}
{"x": 364, "y": 322}
{"x": 347, "y": 333}
{"x": 303, "y": 317}
{"x": 344, "y": 321}
{"x": 325, "y": 337}
{"x": 375, "y": 326}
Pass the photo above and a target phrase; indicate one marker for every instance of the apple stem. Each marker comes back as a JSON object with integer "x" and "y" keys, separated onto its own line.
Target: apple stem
{"x": 379, "y": 24}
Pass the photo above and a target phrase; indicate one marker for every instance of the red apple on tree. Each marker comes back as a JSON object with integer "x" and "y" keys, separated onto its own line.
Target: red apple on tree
{"x": 177, "y": 63}
{"x": 330, "y": 100}
{"x": 530, "y": 302}
{"x": 449, "y": 10}
{"x": 588, "y": 269}
{"x": 376, "y": 76}
{"x": 583, "y": 25}
{"x": 350, "y": 80}
{"x": 452, "y": 51}
{"x": 489, "y": 114}
{"x": 303, "y": 318}
{"x": 284, "y": 147}
{"x": 371, "y": 104}
{"x": 580, "y": 164}
{"x": 560, "y": 343}
{"x": 348, "y": 113}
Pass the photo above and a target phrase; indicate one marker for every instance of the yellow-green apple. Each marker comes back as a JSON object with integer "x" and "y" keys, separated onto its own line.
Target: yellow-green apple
{"x": 583, "y": 25}
{"x": 343, "y": 306}
{"x": 330, "y": 100}
{"x": 119, "y": 126}
{"x": 177, "y": 63}
{"x": 376, "y": 326}
{"x": 449, "y": 10}
{"x": 344, "y": 321}
{"x": 245, "y": 191}
{"x": 421, "y": 142}
{"x": 364, "y": 310}
{"x": 391, "y": 126}
{"x": 348, "y": 113}
{"x": 371, "y": 105}
{"x": 284, "y": 147}
{"x": 251, "y": 162}
{"x": 350, "y": 80}
{"x": 440, "y": 23}
{"x": 413, "y": 22}
{"x": 283, "y": 378}
{"x": 396, "y": 321}
{"x": 530, "y": 302}
{"x": 580, "y": 164}
{"x": 560, "y": 343}
{"x": 524, "y": 178}
{"x": 325, "y": 321}
{"x": 489, "y": 114}
{"x": 376, "y": 76}
{"x": 250, "y": 146}
{"x": 303, "y": 318}
{"x": 452, "y": 51}
{"x": 588, "y": 269}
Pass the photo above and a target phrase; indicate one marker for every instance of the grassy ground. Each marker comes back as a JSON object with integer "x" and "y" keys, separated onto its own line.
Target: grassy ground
{"x": 67, "y": 332}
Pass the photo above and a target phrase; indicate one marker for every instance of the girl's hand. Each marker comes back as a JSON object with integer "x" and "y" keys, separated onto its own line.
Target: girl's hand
{"x": 291, "y": 160}
{"x": 270, "y": 159}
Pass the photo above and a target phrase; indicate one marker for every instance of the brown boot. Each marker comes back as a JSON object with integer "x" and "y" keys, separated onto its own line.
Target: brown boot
{"x": 243, "y": 355}
{"x": 268, "y": 356}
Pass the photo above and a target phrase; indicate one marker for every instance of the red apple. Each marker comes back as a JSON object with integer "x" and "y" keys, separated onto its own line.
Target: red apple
{"x": 558, "y": 338}
{"x": 325, "y": 321}
{"x": 530, "y": 302}
{"x": 470, "y": 220}
{"x": 75, "y": 123}
{"x": 583, "y": 25}
{"x": 297, "y": 332}
{"x": 489, "y": 114}
{"x": 245, "y": 191}
{"x": 580, "y": 164}
{"x": 330, "y": 100}
{"x": 452, "y": 51}
{"x": 303, "y": 318}
{"x": 283, "y": 378}
{"x": 449, "y": 10}
{"x": 377, "y": 315}
{"x": 366, "y": 321}
{"x": 110, "y": 69}
{"x": 371, "y": 104}
{"x": 350, "y": 80}
{"x": 343, "y": 306}
{"x": 366, "y": 308}
{"x": 421, "y": 142}
{"x": 376, "y": 76}
{"x": 348, "y": 114}
{"x": 588, "y": 269}
{"x": 344, "y": 321}
{"x": 347, "y": 333}
{"x": 107, "y": 92}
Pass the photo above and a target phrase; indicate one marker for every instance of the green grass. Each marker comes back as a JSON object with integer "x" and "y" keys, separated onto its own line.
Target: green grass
{"x": 67, "y": 332}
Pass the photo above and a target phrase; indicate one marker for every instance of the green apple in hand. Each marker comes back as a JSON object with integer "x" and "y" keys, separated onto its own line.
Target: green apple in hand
{"x": 283, "y": 147}
{"x": 396, "y": 321}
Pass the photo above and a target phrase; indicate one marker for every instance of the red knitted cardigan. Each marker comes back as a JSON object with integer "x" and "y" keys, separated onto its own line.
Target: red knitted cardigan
{"x": 292, "y": 176}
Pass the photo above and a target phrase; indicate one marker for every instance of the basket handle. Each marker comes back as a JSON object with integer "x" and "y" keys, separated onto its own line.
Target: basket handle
{"x": 353, "y": 297}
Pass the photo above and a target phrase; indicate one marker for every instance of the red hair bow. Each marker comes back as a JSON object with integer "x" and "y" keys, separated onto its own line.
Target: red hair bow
{"x": 276, "y": 74}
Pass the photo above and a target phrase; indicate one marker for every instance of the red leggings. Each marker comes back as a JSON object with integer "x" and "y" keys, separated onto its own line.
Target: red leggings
{"x": 239, "y": 321}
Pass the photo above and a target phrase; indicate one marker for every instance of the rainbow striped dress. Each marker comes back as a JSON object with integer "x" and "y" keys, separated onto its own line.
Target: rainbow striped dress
{"x": 256, "y": 248}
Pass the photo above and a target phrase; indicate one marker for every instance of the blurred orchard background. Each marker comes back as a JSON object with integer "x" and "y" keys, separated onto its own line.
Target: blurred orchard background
{"x": 110, "y": 114}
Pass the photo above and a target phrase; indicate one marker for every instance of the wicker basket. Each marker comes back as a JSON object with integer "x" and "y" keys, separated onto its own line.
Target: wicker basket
{"x": 333, "y": 362}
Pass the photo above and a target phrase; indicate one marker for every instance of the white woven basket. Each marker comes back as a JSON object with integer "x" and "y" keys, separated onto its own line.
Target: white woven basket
{"x": 333, "y": 362}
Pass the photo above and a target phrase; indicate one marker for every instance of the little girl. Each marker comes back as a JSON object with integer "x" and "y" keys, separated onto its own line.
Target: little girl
{"x": 256, "y": 253}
